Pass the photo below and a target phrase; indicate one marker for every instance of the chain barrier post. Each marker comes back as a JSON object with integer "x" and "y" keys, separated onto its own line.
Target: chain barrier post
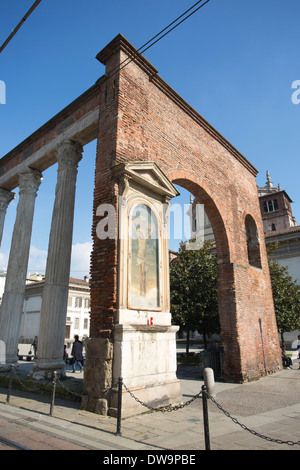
{"x": 209, "y": 381}
{"x": 205, "y": 417}
{"x": 10, "y": 384}
{"x": 53, "y": 392}
{"x": 120, "y": 386}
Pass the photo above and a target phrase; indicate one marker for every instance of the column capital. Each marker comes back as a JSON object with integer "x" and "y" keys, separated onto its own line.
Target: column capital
{"x": 29, "y": 181}
{"x": 69, "y": 154}
{"x": 6, "y": 197}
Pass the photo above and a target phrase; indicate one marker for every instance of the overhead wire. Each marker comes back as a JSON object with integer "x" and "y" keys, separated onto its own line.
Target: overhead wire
{"x": 160, "y": 35}
{"x": 201, "y": 6}
{"x": 170, "y": 27}
{"x": 155, "y": 39}
{"x": 33, "y": 7}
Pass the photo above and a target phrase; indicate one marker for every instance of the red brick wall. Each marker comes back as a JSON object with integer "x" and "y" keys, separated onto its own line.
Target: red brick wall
{"x": 143, "y": 119}
{"x": 104, "y": 255}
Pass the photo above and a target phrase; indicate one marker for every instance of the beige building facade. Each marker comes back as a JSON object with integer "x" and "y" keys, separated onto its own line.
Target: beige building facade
{"x": 77, "y": 317}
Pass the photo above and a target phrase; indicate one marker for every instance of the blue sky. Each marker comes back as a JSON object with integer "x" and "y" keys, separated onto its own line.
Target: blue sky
{"x": 234, "y": 61}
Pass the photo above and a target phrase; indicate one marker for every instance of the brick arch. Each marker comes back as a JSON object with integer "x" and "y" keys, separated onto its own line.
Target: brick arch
{"x": 150, "y": 122}
{"x": 136, "y": 116}
{"x": 226, "y": 280}
{"x": 201, "y": 193}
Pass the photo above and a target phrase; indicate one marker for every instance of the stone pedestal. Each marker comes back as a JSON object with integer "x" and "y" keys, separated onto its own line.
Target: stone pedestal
{"x": 145, "y": 357}
{"x": 55, "y": 293}
{"x": 13, "y": 297}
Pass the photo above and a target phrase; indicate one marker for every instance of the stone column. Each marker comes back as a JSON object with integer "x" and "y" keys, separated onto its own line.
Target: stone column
{"x": 5, "y": 198}
{"x": 13, "y": 297}
{"x": 55, "y": 292}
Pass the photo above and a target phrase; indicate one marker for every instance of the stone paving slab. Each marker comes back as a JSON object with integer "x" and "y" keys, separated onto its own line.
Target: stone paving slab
{"x": 270, "y": 407}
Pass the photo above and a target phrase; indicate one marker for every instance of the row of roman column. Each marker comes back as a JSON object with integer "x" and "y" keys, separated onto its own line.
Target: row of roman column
{"x": 55, "y": 292}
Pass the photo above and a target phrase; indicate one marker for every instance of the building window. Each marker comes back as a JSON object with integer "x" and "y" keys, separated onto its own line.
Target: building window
{"x": 86, "y": 303}
{"x": 68, "y": 331}
{"x": 78, "y": 302}
{"x": 85, "y": 324}
{"x": 76, "y": 323}
{"x": 273, "y": 227}
{"x": 271, "y": 206}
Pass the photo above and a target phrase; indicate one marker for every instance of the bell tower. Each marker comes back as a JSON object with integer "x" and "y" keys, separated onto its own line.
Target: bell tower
{"x": 275, "y": 206}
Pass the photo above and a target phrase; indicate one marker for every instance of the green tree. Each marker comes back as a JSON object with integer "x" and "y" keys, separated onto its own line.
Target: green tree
{"x": 286, "y": 296}
{"x": 193, "y": 290}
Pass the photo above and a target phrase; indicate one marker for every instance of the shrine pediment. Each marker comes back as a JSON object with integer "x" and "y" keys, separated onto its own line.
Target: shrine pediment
{"x": 147, "y": 175}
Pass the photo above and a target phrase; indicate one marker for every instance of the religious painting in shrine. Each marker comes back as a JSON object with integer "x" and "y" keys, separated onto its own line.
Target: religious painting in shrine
{"x": 144, "y": 292}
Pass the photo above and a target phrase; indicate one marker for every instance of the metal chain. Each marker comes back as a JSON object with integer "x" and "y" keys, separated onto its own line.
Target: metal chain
{"x": 164, "y": 409}
{"x": 168, "y": 408}
{"x": 82, "y": 395}
{"x": 35, "y": 389}
{"x": 255, "y": 433}
{"x": 68, "y": 389}
{"x": 7, "y": 372}
{"x": 171, "y": 408}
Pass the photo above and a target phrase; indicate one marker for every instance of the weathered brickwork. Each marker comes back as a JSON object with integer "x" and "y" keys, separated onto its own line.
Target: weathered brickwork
{"x": 143, "y": 119}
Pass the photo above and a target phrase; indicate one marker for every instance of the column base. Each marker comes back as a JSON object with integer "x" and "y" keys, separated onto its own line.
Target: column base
{"x": 9, "y": 361}
{"x": 5, "y": 367}
{"x": 45, "y": 370}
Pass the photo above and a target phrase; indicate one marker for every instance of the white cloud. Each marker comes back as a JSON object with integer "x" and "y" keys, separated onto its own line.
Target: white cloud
{"x": 36, "y": 263}
{"x": 80, "y": 260}
{"x": 37, "y": 260}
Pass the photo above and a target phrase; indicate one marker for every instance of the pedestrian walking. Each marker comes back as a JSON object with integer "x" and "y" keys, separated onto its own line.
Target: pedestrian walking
{"x": 35, "y": 345}
{"x": 76, "y": 353}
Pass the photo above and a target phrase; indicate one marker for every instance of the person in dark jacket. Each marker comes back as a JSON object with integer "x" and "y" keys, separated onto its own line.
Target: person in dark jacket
{"x": 76, "y": 353}
{"x": 35, "y": 345}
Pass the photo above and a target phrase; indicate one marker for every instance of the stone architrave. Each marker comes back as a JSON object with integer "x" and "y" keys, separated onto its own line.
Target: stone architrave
{"x": 55, "y": 293}
{"x": 13, "y": 297}
{"x": 5, "y": 198}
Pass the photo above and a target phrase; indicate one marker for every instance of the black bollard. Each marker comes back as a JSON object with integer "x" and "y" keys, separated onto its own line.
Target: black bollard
{"x": 10, "y": 384}
{"x": 53, "y": 393}
{"x": 120, "y": 386}
{"x": 205, "y": 417}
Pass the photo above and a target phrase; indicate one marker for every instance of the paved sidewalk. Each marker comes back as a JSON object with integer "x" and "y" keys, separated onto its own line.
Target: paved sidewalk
{"x": 270, "y": 408}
